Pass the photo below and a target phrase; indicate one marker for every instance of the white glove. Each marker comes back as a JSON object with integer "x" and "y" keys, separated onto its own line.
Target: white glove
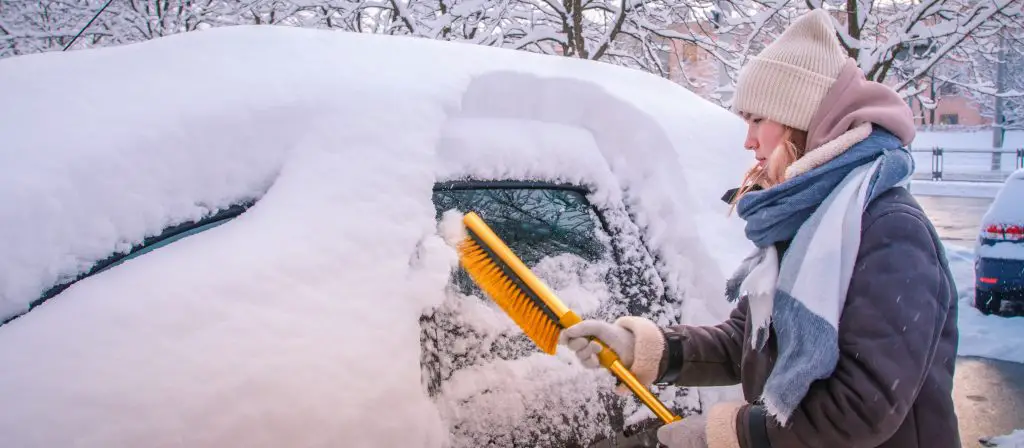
{"x": 687, "y": 433}
{"x": 638, "y": 342}
{"x": 617, "y": 338}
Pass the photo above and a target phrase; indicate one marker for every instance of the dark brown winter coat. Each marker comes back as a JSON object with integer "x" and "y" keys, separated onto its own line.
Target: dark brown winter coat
{"x": 892, "y": 386}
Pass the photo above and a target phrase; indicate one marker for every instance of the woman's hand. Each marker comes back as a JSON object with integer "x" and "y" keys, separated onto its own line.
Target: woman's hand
{"x": 687, "y": 433}
{"x": 617, "y": 338}
{"x": 638, "y": 342}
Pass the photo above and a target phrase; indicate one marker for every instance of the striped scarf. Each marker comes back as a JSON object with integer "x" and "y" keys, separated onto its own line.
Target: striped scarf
{"x": 802, "y": 299}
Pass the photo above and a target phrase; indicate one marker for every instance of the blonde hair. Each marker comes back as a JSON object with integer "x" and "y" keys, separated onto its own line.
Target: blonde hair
{"x": 773, "y": 173}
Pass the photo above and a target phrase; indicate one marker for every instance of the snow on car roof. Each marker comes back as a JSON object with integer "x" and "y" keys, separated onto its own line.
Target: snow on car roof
{"x": 153, "y": 135}
{"x": 1008, "y": 205}
{"x": 340, "y": 136}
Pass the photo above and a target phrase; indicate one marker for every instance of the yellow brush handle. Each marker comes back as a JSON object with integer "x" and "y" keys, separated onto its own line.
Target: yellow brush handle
{"x": 620, "y": 371}
{"x": 610, "y": 361}
{"x": 567, "y": 317}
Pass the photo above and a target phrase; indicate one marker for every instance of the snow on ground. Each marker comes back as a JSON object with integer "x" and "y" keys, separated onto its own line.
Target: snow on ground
{"x": 978, "y": 161}
{"x": 984, "y": 336}
{"x": 955, "y": 188}
{"x": 297, "y": 323}
{"x": 966, "y": 139}
{"x": 1012, "y": 440}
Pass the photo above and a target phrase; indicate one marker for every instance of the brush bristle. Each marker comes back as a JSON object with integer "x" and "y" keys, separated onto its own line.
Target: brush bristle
{"x": 493, "y": 280}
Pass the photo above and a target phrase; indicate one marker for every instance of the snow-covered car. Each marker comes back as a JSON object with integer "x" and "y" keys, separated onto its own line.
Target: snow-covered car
{"x": 999, "y": 260}
{"x": 241, "y": 237}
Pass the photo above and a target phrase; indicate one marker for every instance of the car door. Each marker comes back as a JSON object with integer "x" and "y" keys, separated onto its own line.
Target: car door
{"x": 595, "y": 259}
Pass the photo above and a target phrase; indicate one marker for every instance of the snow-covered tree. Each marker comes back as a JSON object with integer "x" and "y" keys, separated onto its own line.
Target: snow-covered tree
{"x": 914, "y": 45}
{"x": 627, "y": 32}
{"x": 36, "y": 26}
{"x": 33, "y": 26}
{"x": 147, "y": 19}
{"x": 900, "y": 43}
{"x": 1007, "y": 85}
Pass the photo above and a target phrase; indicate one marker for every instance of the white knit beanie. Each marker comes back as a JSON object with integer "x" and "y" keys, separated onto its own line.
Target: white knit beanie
{"x": 788, "y": 79}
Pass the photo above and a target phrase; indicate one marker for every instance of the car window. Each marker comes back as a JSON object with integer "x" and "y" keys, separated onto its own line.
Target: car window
{"x": 593, "y": 259}
{"x": 535, "y": 221}
{"x": 167, "y": 236}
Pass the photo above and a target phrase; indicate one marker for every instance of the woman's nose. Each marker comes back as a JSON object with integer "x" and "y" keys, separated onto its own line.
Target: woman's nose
{"x": 750, "y": 144}
{"x": 751, "y": 140}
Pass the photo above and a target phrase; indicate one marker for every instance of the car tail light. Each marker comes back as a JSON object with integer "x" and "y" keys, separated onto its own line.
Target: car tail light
{"x": 993, "y": 232}
{"x": 1014, "y": 233}
{"x": 989, "y": 280}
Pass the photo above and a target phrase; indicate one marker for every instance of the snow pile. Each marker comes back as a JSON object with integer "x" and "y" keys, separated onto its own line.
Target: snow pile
{"x": 483, "y": 147}
{"x": 1012, "y": 440}
{"x": 261, "y": 332}
{"x": 675, "y": 200}
{"x": 298, "y": 323}
{"x": 217, "y": 134}
{"x": 990, "y": 336}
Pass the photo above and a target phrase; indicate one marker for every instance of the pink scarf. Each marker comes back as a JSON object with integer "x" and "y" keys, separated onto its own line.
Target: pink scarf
{"x": 853, "y": 100}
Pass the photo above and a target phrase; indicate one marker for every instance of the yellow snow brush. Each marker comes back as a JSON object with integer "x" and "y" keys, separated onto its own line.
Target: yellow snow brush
{"x": 531, "y": 304}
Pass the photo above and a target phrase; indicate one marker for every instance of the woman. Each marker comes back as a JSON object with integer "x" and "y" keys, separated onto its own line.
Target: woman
{"x": 844, "y": 333}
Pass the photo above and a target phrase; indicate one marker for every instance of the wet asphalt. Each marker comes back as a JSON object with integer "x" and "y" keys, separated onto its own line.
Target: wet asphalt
{"x": 989, "y": 394}
{"x": 989, "y": 397}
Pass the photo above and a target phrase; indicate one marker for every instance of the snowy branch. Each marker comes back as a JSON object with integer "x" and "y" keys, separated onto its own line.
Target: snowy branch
{"x": 915, "y": 46}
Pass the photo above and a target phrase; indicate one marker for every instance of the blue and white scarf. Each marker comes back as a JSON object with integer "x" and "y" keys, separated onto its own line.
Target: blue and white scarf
{"x": 821, "y": 212}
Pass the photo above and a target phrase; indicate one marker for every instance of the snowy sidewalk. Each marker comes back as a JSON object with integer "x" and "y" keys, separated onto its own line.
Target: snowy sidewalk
{"x": 955, "y": 188}
{"x": 993, "y": 337}
{"x": 988, "y": 388}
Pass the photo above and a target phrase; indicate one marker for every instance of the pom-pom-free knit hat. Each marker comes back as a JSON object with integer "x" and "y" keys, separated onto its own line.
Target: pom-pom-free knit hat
{"x": 787, "y": 81}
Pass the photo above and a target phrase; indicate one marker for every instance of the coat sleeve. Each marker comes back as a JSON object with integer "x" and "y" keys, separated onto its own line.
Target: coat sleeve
{"x": 891, "y": 324}
{"x": 705, "y": 355}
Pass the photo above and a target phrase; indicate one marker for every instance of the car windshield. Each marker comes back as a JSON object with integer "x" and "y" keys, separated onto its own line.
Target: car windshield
{"x": 468, "y": 348}
{"x": 535, "y": 221}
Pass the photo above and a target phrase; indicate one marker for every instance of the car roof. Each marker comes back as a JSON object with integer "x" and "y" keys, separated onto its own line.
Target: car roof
{"x": 241, "y": 115}
{"x": 1008, "y": 205}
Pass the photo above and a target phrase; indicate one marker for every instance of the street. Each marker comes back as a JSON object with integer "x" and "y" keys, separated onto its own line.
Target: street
{"x": 989, "y": 398}
{"x": 989, "y": 394}
{"x": 956, "y": 219}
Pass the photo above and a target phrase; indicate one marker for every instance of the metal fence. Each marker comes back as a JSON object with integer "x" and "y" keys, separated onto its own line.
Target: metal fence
{"x": 973, "y": 170}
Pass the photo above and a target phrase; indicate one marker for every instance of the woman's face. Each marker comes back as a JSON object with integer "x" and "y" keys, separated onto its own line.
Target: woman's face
{"x": 763, "y": 137}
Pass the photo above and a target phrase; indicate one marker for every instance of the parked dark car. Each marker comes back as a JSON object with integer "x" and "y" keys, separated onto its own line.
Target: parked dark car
{"x": 999, "y": 262}
{"x": 271, "y": 266}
